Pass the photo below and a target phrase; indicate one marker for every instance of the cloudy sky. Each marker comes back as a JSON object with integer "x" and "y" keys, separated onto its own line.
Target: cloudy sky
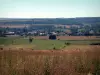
{"x": 49, "y": 8}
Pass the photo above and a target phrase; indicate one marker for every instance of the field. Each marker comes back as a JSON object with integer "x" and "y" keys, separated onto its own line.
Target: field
{"x": 71, "y": 37}
{"x": 43, "y": 43}
{"x": 50, "y": 57}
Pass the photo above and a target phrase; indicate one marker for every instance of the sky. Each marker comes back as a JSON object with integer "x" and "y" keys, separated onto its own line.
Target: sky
{"x": 49, "y": 8}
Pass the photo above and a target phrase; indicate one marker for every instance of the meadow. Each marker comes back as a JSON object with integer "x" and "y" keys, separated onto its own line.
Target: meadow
{"x": 43, "y": 43}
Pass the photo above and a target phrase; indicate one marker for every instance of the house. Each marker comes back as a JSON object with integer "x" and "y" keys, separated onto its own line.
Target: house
{"x": 76, "y": 26}
{"x": 10, "y": 33}
{"x": 68, "y": 26}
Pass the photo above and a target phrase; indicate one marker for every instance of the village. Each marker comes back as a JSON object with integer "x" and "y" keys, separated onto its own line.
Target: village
{"x": 46, "y": 29}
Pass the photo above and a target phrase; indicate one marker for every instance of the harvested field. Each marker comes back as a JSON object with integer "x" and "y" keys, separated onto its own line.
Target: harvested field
{"x": 14, "y": 26}
{"x": 70, "y": 37}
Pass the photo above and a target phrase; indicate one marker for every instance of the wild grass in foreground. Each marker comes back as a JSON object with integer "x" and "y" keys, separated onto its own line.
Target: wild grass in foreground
{"x": 66, "y": 62}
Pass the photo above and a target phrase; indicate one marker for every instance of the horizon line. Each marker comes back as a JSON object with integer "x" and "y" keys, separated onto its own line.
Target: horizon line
{"x": 45, "y": 17}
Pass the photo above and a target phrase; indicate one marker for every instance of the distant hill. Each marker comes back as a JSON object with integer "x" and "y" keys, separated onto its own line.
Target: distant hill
{"x": 64, "y": 21}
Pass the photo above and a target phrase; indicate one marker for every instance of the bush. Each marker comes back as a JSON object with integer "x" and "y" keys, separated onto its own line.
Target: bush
{"x": 1, "y": 48}
{"x": 54, "y": 48}
{"x": 58, "y": 39}
{"x": 67, "y": 43}
{"x": 95, "y": 44}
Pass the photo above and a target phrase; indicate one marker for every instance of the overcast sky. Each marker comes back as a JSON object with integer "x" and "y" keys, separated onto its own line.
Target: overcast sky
{"x": 49, "y": 8}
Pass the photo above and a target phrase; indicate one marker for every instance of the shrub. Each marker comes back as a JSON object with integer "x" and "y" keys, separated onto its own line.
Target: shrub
{"x": 1, "y": 48}
{"x": 54, "y": 48}
{"x": 95, "y": 44}
{"x": 67, "y": 43}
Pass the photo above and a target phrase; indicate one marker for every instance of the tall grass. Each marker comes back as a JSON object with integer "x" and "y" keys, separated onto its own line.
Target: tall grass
{"x": 73, "y": 62}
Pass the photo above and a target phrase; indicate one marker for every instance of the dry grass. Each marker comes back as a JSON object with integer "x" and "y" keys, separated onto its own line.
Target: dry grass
{"x": 50, "y": 62}
{"x": 14, "y": 26}
{"x": 70, "y": 37}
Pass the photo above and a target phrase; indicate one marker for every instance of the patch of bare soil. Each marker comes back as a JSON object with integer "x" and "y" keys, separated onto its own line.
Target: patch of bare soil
{"x": 70, "y": 37}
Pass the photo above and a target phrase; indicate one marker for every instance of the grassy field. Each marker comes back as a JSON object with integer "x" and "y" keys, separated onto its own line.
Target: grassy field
{"x": 44, "y": 44}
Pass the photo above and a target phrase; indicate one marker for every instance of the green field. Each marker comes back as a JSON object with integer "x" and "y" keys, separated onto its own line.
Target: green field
{"x": 43, "y": 44}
